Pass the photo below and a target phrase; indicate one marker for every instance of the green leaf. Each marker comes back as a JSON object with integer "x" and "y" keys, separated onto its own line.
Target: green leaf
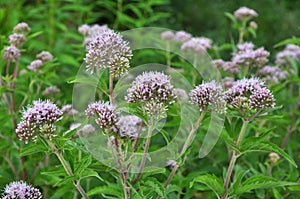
{"x": 155, "y": 186}
{"x": 90, "y": 173}
{"x": 83, "y": 164}
{"x": 211, "y": 181}
{"x": 277, "y": 195}
{"x": 231, "y": 17}
{"x": 254, "y": 146}
{"x": 261, "y": 182}
{"x": 32, "y": 148}
{"x": 104, "y": 190}
{"x": 293, "y": 40}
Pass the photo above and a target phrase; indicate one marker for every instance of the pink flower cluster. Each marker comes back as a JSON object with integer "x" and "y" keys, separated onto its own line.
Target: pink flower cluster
{"x": 129, "y": 126}
{"x": 245, "y": 13}
{"x": 208, "y": 96}
{"x": 290, "y": 51}
{"x": 40, "y": 117}
{"x": 198, "y": 45}
{"x": 273, "y": 74}
{"x": 21, "y": 190}
{"x": 108, "y": 50}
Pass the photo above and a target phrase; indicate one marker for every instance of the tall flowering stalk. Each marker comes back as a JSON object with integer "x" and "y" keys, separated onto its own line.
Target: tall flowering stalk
{"x": 249, "y": 97}
{"x": 207, "y": 96}
{"x": 39, "y": 119}
{"x": 154, "y": 92}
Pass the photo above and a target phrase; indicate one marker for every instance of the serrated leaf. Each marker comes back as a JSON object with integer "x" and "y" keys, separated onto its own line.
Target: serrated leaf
{"x": 261, "y": 182}
{"x": 211, "y": 181}
{"x": 32, "y": 148}
{"x": 266, "y": 147}
{"x": 155, "y": 186}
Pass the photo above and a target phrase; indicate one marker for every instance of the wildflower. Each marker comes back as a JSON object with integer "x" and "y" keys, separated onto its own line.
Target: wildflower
{"x": 291, "y": 50}
{"x": 274, "y": 157}
{"x": 44, "y": 56}
{"x": 51, "y": 90}
{"x": 83, "y": 131}
{"x": 39, "y": 118}
{"x": 248, "y": 57}
{"x": 208, "y": 95}
{"x": 68, "y": 110}
{"x": 197, "y": 45}
{"x": 181, "y": 95}
{"x": 108, "y": 50}
{"x": 171, "y": 163}
{"x": 273, "y": 74}
{"x": 17, "y": 39}
{"x": 227, "y": 66}
{"x": 253, "y": 25}
{"x": 21, "y": 190}
{"x": 153, "y": 89}
{"x": 22, "y": 28}
{"x": 182, "y": 36}
{"x": 35, "y": 65}
{"x": 247, "y": 94}
{"x": 11, "y": 53}
{"x": 84, "y": 29}
{"x": 245, "y": 13}
{"x": 167, "y": 35}
{"x": 129, "y": 126}
{"x": 105, "y": 114}
{"x": 91, "y": 32}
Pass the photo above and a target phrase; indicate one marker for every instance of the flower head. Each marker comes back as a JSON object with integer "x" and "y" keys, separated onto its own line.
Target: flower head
{"x": 68, "y": 110}
{"x": 35, "y": 65}
{"x": 11, "y": 53}
{"x": 290, "y": 51}
{"x": 167, "y": 35}
{"x": 247, "y": 56}
{"x": 17, "y": 39}
{"x": 44, "y": 56}
{"x": 51, "y": 90}
{"x": 273, "y": 74}
{"x": 21, "y": 190}
{"x": 182, "y": 36}
{"x": 39, "y": 118}
{"x": 247, "y": 94}
{"x": 129, "y": 126}
{"x": 83, "y": 131}
{"x": 91, "y": 32}
{"x": 153, "y": 89}
{"x": 245, "y": 13}
{"x": 105, "y": 114}
{"x": 22, "y": 28}
{"x": 108, "y": 50}
{"x": 227, "y": 66}
{"x": 208, "y": 96}
{"x": 197, "y": 45}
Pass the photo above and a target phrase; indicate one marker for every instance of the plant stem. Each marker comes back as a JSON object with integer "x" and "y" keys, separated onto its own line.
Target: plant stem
{"x": 67, "y": 168}
{"x": 12, "y": 166}
{"x": 184, "y": 148}
{"x": 145, "y": 152}
{"x": 111, "y": 87}
{"x": 234, "y": 157}
{"x": 168, "y": 57}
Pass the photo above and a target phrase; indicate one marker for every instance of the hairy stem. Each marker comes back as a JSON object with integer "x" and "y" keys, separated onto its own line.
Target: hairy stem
{"x": 145, "y": 153}
{"x": 67, "y": 168}
{"x": 234, "y": 157}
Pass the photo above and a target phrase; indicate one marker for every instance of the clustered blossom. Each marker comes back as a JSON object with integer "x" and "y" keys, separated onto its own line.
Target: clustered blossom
{"x": 253, "y": 25}
{"x": 108, "y": 50}
{"x": 129, "y": 126}
{"x": 167, "y": 35}
{"x": 44, "y": 56}
{"x": 248, "y": 57}
{"x": 35, "y": 65}
{"x": 153, "y": 89}
{"x": 22, "y": 28}
{"x": 208, "y": 95}
{"x": 41, "y": 59}
{"x": 181, "y": 94}
{"x": 17, "y": 39}
{"x": 245, "y": 13}
{"x": 11, "y": 53}
{"x": 21, "y": 190}
{"x": 182, "y": 36}
{"x": 39, "y": 118}
{"x": 51, "y": 90}
{"x": 249, "y": 94}
{"x": 68, "y": 110}
{"x": 105, "y": 114}
{"x": 91, "y": 32}
{"x": 228, "y": 82}
{"x": 83, "y": 131}
{"x": 197, "y": 45}
{"x": 291, "y": 50}
{"x": 273, "y": 74}
{"x": 227, "y": 66}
